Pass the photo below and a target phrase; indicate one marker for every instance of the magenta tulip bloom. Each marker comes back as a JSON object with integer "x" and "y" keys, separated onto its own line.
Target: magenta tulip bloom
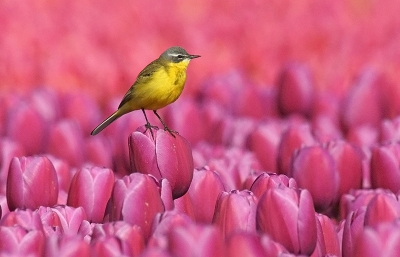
{"x": 243, "y": 243}
{"x": 292, "y": 139}
{"x": 24, "y": 177}
{"x": 349, "y": 163}
{"x": 236, "y": 210}
{"x": 136, "y": 200}
{"x": 287, "y": 215}
{"x": 383, "y": 240}
{"x": 27, "y": 219}
{"x": 382, "y": 208}
{"x": 327, "y": 237}
{"x": 91, "y": 188}
{"x": 16, "y": 241}
{"x": 353, "y": 226}
{"x": 267, "y": 181}
{"x": 385, "y": 166}
{"x": 8, "y": 150}
{"x": 66, "y": 142}
{"x": 195, "y": 240}
{"x": 295, "y": 90}
{"x": 164, "y": 156}
{"x": 27, "y": 127}
{"x": 66, "y": 246}
{"x": 130, "y": 237}
{"x": 264, "y": 142}
{"x": 314, "y": 169}
{"x": 203, "y": 193}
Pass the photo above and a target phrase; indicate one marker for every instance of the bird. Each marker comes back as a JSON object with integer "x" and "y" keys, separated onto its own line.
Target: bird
{"x": 159, "y": 84}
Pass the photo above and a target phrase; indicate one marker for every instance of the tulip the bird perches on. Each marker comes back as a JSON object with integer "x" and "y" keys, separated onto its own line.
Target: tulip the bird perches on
{"x": 159, "y": 84}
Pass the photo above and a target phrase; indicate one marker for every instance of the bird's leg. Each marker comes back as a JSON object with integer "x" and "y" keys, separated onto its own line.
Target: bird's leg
{"x": 148, "y": 125}
{"x": 172, "y": 132}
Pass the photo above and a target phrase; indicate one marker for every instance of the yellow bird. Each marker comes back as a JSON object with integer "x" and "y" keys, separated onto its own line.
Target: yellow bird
{"x": 159, "y": 84}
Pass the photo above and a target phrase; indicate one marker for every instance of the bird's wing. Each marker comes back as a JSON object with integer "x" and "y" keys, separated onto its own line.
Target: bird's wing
{"x": 142, "y": 78}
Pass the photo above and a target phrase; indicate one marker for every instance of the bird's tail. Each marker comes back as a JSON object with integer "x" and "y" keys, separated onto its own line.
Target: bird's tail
{"x": 106, "y": 122}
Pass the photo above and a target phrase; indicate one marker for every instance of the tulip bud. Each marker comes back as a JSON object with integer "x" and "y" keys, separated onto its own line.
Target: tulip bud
{"x": 267, "y": 181}
{"x": 195, "y": 240}
{"x": 24, "y": 176}
{"x": 27, "y": 127}
{"x": 295, "y": 90}
{"x": 293, "y": 138}
{"x": 8, "y": 150}
{"x": 264, "y": 142}
{"x": 136, "y": 200}
{"x": 327, "y": 235}
{"x": 288, "y": 216}
{"x": 314, "y": 169}
{"x": 382, "y": 208}
{"x": 203, "y": 193}
{"x": 16, "y": 241}
{"x": 385, "y": 166}
{"x": 383, "y": 240}
{"x": 348, "y": 160}
{"x": 235, "y": 210}
{"x": 26, "y": 219}
{"x": 98, "y": 152}
{"x": 130, "y": 237}
{"x": 163, "y": 156}
{"x": 91, "y": 188}
{"x": 66, "y": 245}
{"x": 66, "y": 142}
{"x": 353, "y": 226}
{"x": 363, "y": 105}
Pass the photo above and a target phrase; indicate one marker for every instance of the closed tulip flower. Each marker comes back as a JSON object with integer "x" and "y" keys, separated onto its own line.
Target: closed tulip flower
{"x": 24, "y": 177}
{"x": 91, "y": 188}
{"x": 267, "y": 181}
{"x": 163, "y": 156}
{"x": 382, "y": 208}
{"x": 287, "y": 215}
{"x": 16, "y": 241}
{"x": 236, "y": 210}
{"x": 385, "y": 166}
{"x": 136, "y": 199}
{"x": 314, "y": 169}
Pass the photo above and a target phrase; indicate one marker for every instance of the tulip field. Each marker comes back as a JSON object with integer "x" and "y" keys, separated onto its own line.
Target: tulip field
{"x": 287, "y": 135}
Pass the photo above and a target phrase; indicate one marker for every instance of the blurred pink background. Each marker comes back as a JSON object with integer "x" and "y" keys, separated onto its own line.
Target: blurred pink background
{"x": 100, "y": 46}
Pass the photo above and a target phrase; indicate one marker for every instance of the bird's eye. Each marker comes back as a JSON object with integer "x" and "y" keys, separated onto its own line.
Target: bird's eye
{"x": 180, "y": 56}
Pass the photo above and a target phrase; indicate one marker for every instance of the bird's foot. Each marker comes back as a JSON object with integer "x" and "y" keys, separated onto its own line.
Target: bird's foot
{"x": 172, "y": 132}
{"x": 150, "y": 127}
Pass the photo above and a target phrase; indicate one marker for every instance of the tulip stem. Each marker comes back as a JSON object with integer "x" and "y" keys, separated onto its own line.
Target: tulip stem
{"x": 172, "y": 132}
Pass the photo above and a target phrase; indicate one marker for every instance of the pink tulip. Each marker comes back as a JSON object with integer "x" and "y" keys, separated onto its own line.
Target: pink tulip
{"x": 363, "y": 136}
{"x": 357, "y": 199}
{"x": 390, "y": 130}
{"x": 130, "y": 237}
{"x": 203, "y": 192}
{"x": 287, "y": 215}
{"x": 8, "y": 150}
{"x": 163, "y": 156}
{"x": 235, "y": 210}
{"x": 26, "y": 219}
{"x": 91, "y": 188}
{"x": 196, "y": 240}
{"x": 64, "y": 173}
{"x": 107, "y": 246}
{"x": 98, "y": 152}
{"x": 81, "y": 108}
{"x": 24, "y": 176}
{"x": 242, "y": 243}
{"x": 249, "y": 180}
{"x": 66, "y": 142}
{"x": 314, "y": 169}
{"x": 364, "y": 103}
{"x": 133, "y": 196}
{"x": 382, "y": 208}
{"x": 348, "y": 160}
{"x": 267, "y": 181}
{"x": 383, "y": 240}
{"x": 27, "y": 127}
{"x": 68, "y": 220}
{"x": 327, "y": 238}
{"x": 65, "y": 246}
{"x": 293, "y": 138}
{"x": 352, "y": 227}
{"x": 16, "y": 241}
{"x": 295, "y": 89}
{"x": 385, "y": 166}
{"x": 179, "y": 113}
{"x": 264, "y": 142}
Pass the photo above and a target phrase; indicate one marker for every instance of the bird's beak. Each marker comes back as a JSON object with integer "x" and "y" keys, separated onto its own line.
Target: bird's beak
{"x": 193, "y": 56}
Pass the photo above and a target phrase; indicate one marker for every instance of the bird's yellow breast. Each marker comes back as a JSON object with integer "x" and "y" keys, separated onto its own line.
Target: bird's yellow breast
{"x": 162, "y": 87}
